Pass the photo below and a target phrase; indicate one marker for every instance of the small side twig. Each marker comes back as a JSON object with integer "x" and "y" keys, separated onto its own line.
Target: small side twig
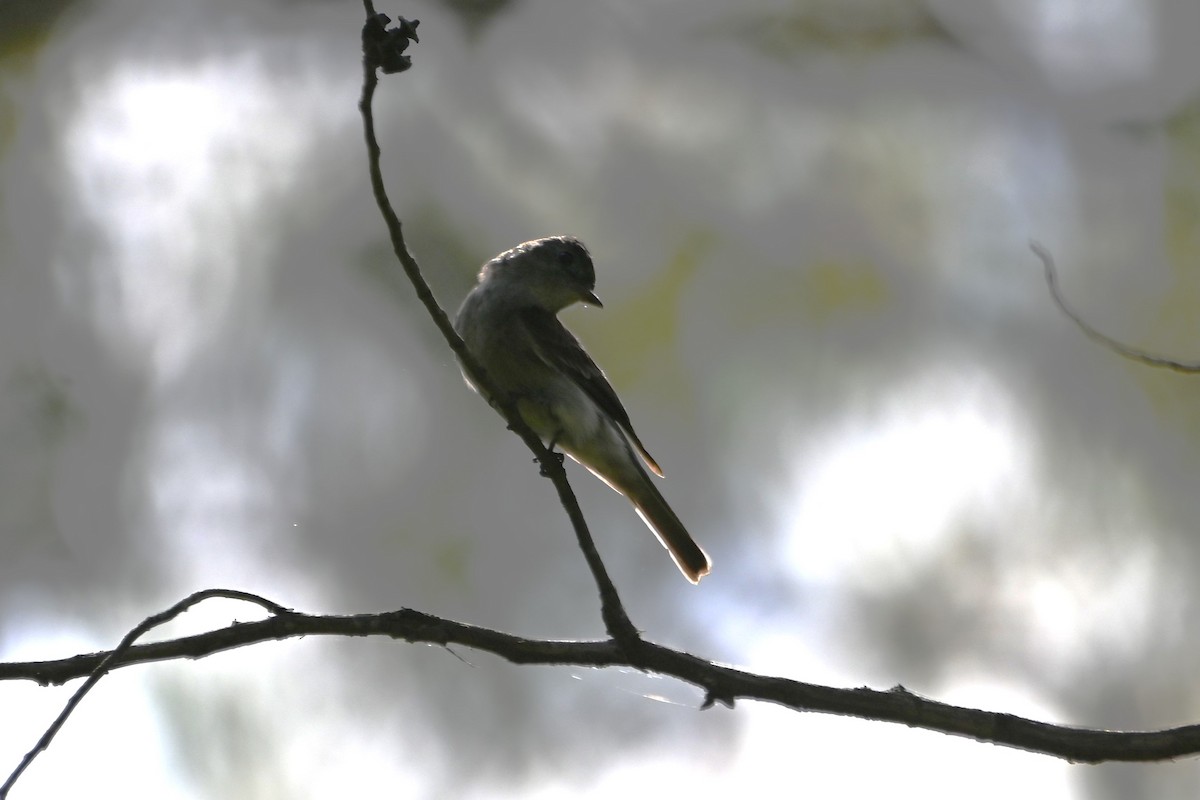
{"x": 616, "y": 620}
{"x": 112, "y": 657}
{"x": 1104, "y": 340}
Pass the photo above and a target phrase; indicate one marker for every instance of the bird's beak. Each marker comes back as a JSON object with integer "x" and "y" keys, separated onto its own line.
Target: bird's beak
{"x": 590, "y": 299}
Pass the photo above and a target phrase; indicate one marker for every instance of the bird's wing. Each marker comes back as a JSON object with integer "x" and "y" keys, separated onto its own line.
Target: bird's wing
{"x": 556, "y": 346}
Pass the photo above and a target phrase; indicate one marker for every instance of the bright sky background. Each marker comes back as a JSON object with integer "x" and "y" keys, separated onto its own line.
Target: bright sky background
{"x": 811, "y": 224}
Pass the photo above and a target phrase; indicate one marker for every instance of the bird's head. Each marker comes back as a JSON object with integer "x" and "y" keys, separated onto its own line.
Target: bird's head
{"x": 554, "y": 272}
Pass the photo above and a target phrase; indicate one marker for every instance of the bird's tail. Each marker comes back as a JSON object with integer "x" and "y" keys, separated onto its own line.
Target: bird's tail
{"x": 692, "y": 561}
{"x": 613, "y": 461}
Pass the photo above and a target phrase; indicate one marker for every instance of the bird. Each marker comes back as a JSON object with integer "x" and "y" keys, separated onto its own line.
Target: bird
{"x": 509, "y": 324}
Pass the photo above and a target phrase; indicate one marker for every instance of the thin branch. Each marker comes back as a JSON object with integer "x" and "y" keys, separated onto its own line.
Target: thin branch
{"x": 113, "y": 658}
{"x": 613, "y": 612}
{"x": 720, "y": 684}
{"x": 1104, "y": 340}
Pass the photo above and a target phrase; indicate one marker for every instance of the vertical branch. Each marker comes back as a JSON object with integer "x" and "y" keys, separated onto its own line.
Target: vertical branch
{"x": 375, "y": 39}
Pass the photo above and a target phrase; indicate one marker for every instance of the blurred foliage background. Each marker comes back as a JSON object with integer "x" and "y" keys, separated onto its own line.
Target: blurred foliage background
{"x": 811, "y": 223}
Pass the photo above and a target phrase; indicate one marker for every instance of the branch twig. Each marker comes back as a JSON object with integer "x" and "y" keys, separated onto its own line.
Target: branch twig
{"x": 112, "y": 659}
{"x": 1104, "y": 340}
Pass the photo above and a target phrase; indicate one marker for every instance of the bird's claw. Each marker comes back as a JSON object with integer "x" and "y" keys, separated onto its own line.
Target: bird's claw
{"x": 544, "y": 470}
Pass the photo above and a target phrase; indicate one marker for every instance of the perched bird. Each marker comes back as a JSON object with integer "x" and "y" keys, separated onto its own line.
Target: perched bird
{"x": 509, "y": 324}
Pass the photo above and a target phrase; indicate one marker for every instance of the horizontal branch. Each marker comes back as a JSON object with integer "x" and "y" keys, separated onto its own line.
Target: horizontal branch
{"x": 721, "y": 684}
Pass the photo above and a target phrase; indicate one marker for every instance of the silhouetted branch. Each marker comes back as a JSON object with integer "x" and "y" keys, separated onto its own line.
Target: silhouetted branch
{"x": 616, "y": 620}
{"x": 720, "y": 683}
{"x": 1104, "y": 340}
{"x": 110, "y": 660}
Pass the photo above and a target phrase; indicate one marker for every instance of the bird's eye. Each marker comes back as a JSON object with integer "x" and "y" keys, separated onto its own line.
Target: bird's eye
{"x": 565, "y": 257}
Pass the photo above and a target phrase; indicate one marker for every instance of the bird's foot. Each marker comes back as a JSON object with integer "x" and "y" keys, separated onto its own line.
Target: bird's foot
{"x": 545, "y": 472}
